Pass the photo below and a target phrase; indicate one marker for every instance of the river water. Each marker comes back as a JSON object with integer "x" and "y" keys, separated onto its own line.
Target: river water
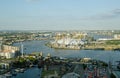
{"x": 29, "y": 73}
{"x": 39, "y": 46}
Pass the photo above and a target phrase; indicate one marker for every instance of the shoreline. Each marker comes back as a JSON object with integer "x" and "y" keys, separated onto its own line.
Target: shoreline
{"x": 86, "y": 47}
{"x": 105, "y": 48}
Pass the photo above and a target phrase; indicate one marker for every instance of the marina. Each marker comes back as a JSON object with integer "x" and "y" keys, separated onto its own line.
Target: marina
{"x": 20, "y": 73}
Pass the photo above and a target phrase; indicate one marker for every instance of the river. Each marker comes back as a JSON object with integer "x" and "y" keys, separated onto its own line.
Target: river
{"x": 39, "y": 46}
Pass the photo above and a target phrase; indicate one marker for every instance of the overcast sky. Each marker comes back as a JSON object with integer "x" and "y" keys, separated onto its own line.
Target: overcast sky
{"x": 59, "y": 14}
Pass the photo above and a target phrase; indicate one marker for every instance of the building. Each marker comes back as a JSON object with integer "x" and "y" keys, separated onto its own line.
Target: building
{"x": 4, "y": 65}
{"x": 9, "y": 51}
{"x": 117, "y": 36}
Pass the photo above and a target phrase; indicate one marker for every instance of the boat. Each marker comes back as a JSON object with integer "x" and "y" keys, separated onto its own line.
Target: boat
{"x": 17, "y": 70}
{"x": 8, "y": 75}
{"x": 22, "y": 70}
{"x": 14, "y": 73}
{"x": 2, "y": 76}
{"x": 118, "y": 65}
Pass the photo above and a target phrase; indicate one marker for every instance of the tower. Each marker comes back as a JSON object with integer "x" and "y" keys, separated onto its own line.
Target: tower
{"x": 1, "y": 43}
{"x": 48, "y": 55}
{"x": 22, "y": 49}
{"x": 41, "y": 54}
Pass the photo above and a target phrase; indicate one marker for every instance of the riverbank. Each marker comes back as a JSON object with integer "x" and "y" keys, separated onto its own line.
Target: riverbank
{"x": 63, "y": 47}
{"x": 113, "y": 45}
{"x": 39, "y": 46}
{"x": 102, "y": 47}
{"x": 88, "y": 47}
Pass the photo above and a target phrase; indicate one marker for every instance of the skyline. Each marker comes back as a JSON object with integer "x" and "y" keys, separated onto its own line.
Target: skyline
{"x": 59, "y": 15}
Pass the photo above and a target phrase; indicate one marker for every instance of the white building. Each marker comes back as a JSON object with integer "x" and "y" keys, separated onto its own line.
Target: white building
{"x": 117, "y": 36}
{"x": 68, "y": 41}
{"x": 10, "y": 54}
{"x": 9, "y": 51}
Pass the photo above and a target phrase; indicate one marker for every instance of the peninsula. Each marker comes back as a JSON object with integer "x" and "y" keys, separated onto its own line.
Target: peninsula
{"x": 84, "y": 41}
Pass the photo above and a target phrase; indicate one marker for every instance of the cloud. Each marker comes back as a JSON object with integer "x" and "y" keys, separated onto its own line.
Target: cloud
{"x": 116, "y": 12}
{"x": 109, "y": 15}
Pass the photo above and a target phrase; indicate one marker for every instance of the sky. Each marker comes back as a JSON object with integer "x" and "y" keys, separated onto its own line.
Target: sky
{"x": 59, "y": 14}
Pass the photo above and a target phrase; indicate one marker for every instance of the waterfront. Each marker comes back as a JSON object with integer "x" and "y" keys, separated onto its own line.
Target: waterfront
{"x": 29, "y": 73}
{"x": 59, "y": 39}
{"x": 39, "y": 46}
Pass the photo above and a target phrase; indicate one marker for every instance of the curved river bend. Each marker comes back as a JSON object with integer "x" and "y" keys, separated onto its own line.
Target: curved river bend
{"x": 39, "y": 46}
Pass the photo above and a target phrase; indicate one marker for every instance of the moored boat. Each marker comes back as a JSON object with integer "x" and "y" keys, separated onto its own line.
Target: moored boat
{"x": 8, "y": 75}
